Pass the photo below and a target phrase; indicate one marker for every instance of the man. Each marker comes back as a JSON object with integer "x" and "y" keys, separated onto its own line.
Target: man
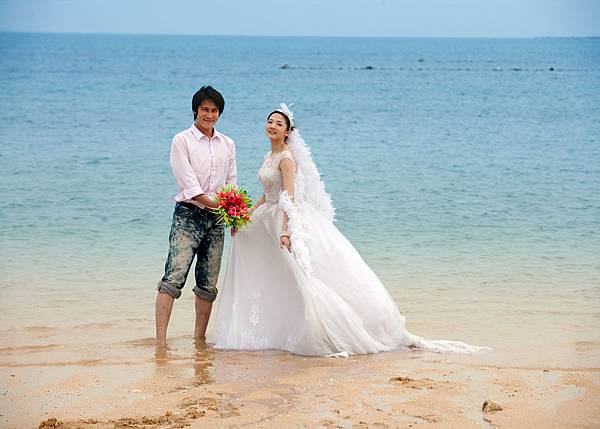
{"x": 203, "y": 161}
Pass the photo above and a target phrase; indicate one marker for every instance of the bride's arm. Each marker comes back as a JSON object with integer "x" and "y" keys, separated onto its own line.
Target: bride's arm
{"x": 287, "y": 171}
{"x": 259, "y": 203}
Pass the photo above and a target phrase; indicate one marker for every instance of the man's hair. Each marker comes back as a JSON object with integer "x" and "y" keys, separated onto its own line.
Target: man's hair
{"x": 207, "y": 93}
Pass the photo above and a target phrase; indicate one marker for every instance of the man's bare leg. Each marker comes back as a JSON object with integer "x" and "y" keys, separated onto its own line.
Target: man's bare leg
{"x": 203, "y": 309}
{"x": 164, "y": 305}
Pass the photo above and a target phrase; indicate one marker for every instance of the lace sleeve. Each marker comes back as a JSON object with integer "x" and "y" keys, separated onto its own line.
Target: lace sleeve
{"x": 298, "y": 235}
{"x": 286, "y": 154}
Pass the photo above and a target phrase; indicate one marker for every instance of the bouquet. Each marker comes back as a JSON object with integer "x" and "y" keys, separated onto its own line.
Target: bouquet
{"x": 233, "y": 206}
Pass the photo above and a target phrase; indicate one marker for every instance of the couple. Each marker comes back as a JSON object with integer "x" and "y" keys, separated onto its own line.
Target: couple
{"x": 293, "y": 281}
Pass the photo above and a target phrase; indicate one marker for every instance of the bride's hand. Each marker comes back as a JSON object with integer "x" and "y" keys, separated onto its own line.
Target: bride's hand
{"x": 284, "y": 241}
{"x": 253, "y": 209}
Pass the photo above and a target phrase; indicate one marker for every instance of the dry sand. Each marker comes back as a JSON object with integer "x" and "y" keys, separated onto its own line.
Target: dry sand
{"x": 205, "y": 388}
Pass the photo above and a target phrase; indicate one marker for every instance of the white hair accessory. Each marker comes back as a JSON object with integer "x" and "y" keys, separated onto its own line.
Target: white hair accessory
{"x": 283, "y": 108}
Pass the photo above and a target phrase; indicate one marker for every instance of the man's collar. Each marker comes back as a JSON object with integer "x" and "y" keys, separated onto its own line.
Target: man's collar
{"x": 199, "y": 134}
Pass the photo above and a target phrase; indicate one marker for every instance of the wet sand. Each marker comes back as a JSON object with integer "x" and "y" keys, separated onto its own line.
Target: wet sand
{"x": 136, "y": 386}
{"x": 64, "y": 363}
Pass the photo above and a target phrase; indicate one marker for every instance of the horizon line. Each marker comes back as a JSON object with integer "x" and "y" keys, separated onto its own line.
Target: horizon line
{"x": 292, "y": 36}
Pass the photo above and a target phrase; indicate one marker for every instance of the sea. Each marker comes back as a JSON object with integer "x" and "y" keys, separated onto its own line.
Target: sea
{"x": 466, "y": 172}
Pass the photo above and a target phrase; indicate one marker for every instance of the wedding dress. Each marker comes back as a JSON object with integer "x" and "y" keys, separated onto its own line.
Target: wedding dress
{"x": 321, "y": 299}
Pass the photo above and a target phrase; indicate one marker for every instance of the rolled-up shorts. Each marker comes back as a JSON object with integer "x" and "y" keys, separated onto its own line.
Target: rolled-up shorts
{"x": 194, "y": 233}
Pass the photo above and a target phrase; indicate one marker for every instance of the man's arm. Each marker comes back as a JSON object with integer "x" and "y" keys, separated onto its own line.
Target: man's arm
{"x": 205, "y": 200}
{"x": 183, "y": 171}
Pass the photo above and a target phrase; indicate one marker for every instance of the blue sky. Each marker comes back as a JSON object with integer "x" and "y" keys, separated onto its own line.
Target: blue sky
{"x": 417, "y": 18}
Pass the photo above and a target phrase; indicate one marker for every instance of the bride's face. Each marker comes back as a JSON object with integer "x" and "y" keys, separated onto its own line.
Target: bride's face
{"x": 277, "y": 128}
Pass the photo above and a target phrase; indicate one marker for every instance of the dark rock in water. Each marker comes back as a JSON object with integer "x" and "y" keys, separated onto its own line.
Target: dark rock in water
{"x": 516, "y": 69}
{"x": 369, "y": 68}
{"x": 490, "y": 406}
{"x": 285, "y": 67}
{"x": 421, "y": 60}
{"x": 551, "y": 69}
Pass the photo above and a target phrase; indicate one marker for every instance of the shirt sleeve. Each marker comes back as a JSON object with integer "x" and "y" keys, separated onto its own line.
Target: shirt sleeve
{"x": 232, "y": 171}
{"x": 183, "y": 171}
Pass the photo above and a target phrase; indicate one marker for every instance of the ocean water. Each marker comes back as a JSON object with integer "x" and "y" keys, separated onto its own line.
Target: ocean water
{"x": 465, "y": 171}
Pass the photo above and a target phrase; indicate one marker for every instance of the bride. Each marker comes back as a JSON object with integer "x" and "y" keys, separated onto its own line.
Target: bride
{"x": 293, "y": 281}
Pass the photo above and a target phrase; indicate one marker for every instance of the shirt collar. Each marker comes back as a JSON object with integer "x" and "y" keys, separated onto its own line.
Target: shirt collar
{"x": 199, "y": 135}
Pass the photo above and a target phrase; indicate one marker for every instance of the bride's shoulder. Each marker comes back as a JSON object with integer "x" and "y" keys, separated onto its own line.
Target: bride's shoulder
{"x": 279, "y": 156}
{"x": 286, "y": 154}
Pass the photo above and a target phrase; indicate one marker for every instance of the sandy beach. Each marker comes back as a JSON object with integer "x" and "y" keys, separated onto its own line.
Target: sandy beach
{"x": 198, "y": 387}
{"x": 67, "y": 364}
{"x": 64, "y": 364}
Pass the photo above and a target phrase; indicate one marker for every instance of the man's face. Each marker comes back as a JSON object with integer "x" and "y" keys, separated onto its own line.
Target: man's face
{"x": 207, "y": 116}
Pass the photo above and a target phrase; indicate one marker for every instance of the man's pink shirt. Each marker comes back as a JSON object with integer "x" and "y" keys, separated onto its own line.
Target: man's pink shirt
{"x": 202, "y": 165}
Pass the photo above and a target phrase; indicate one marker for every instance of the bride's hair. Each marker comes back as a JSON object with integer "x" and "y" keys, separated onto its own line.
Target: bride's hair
{"x": 287, "y": 120}
{"x": 289, "y": 126}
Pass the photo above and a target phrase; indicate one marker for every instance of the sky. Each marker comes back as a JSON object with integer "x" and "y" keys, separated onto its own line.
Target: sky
{"x": 370, "y": 18}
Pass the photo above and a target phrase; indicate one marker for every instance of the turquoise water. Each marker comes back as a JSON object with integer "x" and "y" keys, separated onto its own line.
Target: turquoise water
{"x": 456, "y": 165}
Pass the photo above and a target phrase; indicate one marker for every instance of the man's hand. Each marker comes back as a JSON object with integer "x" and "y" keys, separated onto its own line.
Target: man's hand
{"x": 205, "y": 201}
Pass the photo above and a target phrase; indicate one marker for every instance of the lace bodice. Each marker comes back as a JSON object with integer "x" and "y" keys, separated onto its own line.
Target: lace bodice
{"x": 270, "y": 175}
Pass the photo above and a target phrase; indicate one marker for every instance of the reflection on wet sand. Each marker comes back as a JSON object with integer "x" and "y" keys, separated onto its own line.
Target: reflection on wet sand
{"x": 189, "y": 383}
{"x": 203, "y": 362}
{"x": 180, "y": 360}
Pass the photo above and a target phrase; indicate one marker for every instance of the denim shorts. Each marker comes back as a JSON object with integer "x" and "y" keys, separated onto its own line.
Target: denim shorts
{"x": 194, "y": 232}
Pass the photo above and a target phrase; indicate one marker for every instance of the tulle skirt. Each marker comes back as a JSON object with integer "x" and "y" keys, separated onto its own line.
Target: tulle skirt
{"x": 341, "y": 307}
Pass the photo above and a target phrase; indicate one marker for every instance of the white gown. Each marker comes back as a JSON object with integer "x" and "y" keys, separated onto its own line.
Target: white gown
{"x": 338, "y": 306}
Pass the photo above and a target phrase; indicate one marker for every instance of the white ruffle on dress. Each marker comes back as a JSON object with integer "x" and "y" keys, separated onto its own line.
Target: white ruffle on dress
{"x": 321, "y": 299}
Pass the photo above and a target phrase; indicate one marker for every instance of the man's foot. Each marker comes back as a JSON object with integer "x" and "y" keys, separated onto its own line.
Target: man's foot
{"x": 161, "y": 355}
{"x": 200, "y": 343}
